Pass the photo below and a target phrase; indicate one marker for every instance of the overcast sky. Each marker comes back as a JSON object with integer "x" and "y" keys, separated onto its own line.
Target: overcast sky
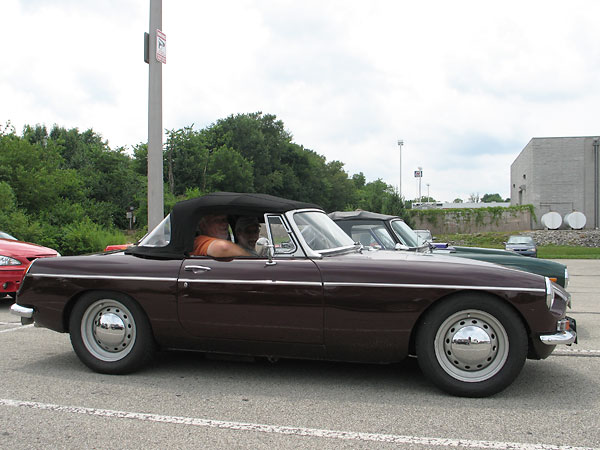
{"x": 465, "y": 84}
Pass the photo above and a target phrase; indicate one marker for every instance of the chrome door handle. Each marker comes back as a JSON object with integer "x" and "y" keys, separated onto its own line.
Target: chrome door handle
{"x": 197, "y": 269}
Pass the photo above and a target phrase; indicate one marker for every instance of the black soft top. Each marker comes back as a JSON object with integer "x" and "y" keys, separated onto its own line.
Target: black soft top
{"x": 186, "y": 214}
{"x": 354, "y": 215}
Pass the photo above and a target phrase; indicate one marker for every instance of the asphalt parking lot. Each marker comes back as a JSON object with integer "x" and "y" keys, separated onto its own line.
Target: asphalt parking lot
{"x": 49, "y": 399}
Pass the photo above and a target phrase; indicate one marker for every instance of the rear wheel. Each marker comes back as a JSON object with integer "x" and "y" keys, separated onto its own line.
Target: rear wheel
{"x": 471, "y": 345}
{"x": 110, "y": 333}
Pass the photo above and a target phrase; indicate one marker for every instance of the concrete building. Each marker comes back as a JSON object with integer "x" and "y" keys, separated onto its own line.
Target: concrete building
{"x": 560, "y": 174}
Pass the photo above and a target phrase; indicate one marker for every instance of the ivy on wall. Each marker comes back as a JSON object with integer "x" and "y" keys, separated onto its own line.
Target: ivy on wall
{"x": 473, "y": 216}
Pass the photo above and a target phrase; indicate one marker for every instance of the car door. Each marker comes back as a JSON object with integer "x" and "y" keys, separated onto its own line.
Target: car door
{"x": 252, "y": 298}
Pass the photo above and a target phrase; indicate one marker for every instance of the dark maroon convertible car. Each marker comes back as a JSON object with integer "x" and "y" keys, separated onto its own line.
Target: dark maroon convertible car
{"x": 313, "y": 295}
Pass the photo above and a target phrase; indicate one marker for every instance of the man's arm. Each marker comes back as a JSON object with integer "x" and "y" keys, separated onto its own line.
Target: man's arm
{"x": 221, "y": 248}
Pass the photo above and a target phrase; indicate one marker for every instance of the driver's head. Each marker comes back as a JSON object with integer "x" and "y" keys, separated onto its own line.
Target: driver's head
{"x": 247, "y": 230}
{"x": 214, "y": 225}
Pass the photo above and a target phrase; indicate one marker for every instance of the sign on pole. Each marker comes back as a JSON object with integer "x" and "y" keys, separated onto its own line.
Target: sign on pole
{"x": 418, "y": 173}
{"x": 161, "y": 47}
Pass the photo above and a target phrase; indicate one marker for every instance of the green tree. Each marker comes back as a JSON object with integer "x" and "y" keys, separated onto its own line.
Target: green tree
{"x": 489, "y": 198}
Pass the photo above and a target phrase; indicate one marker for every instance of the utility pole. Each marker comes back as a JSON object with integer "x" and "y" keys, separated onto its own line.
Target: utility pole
{"x": 400, "y": 144}
{"x": 420, "y": 178}
{"x": 155, "y": 57}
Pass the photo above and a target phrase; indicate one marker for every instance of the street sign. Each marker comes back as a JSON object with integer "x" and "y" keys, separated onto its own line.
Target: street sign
{"x": 418, "y": 173}
{"x": 161, "y": 47}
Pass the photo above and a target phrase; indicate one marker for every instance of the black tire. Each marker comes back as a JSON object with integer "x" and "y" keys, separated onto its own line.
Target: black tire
{"x": 471, "y": 345}
{"x": 110, "y": 333}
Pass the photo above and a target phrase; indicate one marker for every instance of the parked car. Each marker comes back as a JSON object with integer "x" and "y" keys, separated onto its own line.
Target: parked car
{"x": 314, "y": 295}
{"x": 523, "y": 245}
{"x": 113, "y": 247}
{"x": 15, "y": 258}
{"x": 399, "y": 236}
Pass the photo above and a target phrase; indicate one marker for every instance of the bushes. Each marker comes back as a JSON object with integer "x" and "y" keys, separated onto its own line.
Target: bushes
{"x": 88, "y": 237}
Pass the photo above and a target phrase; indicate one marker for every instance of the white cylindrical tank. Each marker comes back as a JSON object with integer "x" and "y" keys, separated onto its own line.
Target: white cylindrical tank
{"x": 576, "y": 220}
{"x": 552, "y": 220}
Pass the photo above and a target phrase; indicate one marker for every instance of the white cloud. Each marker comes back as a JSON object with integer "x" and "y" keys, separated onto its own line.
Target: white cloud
{"x": 464, "y": 84}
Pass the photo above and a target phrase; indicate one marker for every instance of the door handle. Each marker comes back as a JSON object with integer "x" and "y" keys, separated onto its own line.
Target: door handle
{"x": 196, "y": 269}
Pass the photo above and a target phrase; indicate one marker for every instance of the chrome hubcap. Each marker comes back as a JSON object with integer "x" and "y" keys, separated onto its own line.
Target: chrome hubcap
{"x": 111, "y": 331}
{"x": 471, "y": 345}
{"x": 108, "y": 330}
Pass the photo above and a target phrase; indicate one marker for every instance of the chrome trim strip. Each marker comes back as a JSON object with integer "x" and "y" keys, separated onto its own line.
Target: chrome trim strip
{"x": 293, "y": 283}
{"x": 561, "y": 337}
{"x": 261, "y": 282}
{"x": 435, "y": 286}
{"x": 101, "y": 277}
{"x": 21, "y": 311}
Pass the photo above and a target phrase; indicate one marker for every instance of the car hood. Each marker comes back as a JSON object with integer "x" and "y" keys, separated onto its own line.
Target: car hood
{"x": 384, "y": 255}
{"x": 520, "y": 245}
{"x": 26, "y": 249}
{"x": 415, "y": 268}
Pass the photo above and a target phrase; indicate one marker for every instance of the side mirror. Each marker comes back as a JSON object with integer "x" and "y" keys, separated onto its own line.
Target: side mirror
{"x": 264, "y": 246}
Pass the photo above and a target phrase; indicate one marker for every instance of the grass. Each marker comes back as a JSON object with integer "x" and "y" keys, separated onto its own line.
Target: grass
{"x": 568, "y": 252}
{"x": 496, "y": 239}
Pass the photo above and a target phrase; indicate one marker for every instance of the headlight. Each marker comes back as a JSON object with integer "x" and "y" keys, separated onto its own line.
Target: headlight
{"x": 8, "y": 261}
{"x": 549, "y": 293}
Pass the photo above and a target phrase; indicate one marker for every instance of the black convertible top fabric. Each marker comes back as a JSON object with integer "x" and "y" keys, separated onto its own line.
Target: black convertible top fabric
{"x": 186, "y": 214}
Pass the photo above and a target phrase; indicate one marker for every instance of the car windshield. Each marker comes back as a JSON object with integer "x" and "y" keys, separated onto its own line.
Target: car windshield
{"x": 320, "y": 232}
{"x": 520, "y": 240}
{"x": 7, "y": 236}
{"x": 160, "y": 236}
{"x": 406, "y": 234}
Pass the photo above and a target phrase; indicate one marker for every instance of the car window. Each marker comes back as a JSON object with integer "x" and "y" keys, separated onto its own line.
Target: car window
{"x": 282, "y": 240}
{"x": 160, "y": 236}
{"x": 372, "y": 236}
{"x": 406, "y": 234}
{"x": 520, "y": 240}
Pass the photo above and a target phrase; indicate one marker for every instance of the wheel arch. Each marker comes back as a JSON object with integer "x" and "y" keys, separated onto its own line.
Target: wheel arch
{"x": 449, "y": 297}
{"x": 68, "y": 309}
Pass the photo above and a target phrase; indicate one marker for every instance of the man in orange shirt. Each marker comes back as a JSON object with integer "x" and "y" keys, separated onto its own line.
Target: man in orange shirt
{"x": 212, "y": 241}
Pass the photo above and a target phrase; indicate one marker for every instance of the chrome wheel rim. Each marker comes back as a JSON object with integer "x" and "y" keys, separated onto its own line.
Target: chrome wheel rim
{"x": 471, "y": 346}
{"x": 108, "y": 330}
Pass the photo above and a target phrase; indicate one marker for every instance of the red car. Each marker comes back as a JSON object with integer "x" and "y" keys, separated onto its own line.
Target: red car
{"x": 15, "y": 258}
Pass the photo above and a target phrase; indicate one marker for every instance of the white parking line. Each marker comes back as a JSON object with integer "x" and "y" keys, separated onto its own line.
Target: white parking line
{"x": 18, "y": 327}
{"x": 575, "y": 352}
{"x": 296, "y": 431}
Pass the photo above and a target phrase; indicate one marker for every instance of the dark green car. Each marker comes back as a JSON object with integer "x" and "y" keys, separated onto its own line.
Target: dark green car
{"x": 380, "y": 231}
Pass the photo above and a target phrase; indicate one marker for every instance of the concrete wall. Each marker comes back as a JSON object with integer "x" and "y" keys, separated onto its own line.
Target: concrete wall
{"x": 452, "y": 222}
{"x": 556, "y": 174}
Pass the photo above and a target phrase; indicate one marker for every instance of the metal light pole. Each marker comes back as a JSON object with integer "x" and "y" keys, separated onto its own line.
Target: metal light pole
{"x": 420, "y": 178}
{"x": 400, "y": 144}
{"x": 427, "y": 184}
{"x": 155, "y": 131}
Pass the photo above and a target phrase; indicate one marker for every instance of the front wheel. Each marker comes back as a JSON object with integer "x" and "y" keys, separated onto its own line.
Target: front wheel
{"x": 471, "y": 345}
{"x": 110, "y": 333}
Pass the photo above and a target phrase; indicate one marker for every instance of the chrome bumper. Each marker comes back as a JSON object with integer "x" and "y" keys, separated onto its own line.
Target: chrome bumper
{"x": 566, "y": 333}
{"x": 25, "y": 313}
